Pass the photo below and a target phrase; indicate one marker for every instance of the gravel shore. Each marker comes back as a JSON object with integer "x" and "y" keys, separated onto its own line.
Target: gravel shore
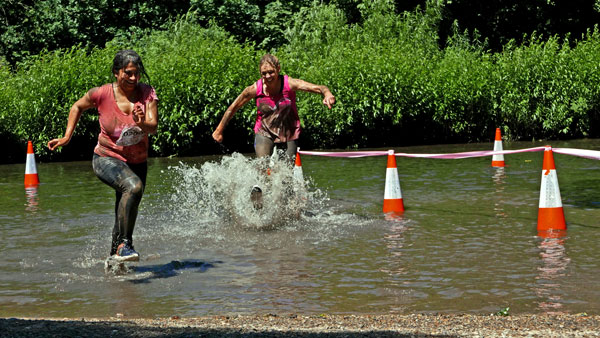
{"x": 310, "y": 326}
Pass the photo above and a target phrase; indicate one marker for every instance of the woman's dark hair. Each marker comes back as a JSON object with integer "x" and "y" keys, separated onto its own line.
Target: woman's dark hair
{"x": 124, "y": 57}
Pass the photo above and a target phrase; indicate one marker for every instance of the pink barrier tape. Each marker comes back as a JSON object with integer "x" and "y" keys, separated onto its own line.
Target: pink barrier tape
{"x": 593, "y": 154}
{"x": 469, "y": 154}
{"x": 350, "y": 154}
{"x": 353, "y": 154}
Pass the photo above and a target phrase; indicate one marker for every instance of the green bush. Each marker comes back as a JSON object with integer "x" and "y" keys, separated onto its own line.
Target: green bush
{"x": 393, "y": 83}
{"x": 542, "y": 90}
{"x": 197, "y": 73}
{"x": 38, "y": 97}
{"x": 56, "y": 24}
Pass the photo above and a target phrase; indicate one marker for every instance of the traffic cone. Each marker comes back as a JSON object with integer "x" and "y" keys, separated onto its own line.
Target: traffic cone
{"x": 550, "y": 213}
{"x": 498, "y": 160}
{"x": 392, "y": 196}
{"x": 298, "y": 175}
{"x": 31, "y": 175}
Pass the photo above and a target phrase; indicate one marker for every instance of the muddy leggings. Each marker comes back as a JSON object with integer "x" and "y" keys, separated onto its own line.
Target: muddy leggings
{"x": 263, "y": 146}
{"x": 129, "y": 181}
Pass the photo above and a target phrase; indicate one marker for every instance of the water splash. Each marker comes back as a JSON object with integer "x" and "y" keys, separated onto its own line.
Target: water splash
{"x": 219, "y": 192}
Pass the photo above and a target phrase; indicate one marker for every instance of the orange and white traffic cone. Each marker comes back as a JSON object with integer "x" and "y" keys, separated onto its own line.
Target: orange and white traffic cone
{"x": 551, "y": 215}
{"x": 498, "y": 160}
{"x": 392, "y": 196}
{"x": 31, "y": 175}
{"x": 298, "y": 175}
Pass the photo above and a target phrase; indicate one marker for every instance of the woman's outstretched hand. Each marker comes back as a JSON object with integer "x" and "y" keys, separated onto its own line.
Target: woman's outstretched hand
{"x": 58, "y": 142}
{"x": 217, "y": 136}
{"x": 329, "y": 100}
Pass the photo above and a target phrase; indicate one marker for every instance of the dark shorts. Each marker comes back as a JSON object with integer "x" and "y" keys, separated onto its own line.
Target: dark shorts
{"x": 263, "y": 146}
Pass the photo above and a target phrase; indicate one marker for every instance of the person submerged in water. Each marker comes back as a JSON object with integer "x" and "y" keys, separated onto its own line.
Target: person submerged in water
{"x": 128, "y": 112}
{"x": 277, "y": 120}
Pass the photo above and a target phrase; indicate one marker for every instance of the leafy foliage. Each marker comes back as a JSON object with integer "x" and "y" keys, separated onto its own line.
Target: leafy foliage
{"x": 197, "y": 72}
{"x": 55, "y": 24}
{"x": 501, "y": 21}
{"x": 38, "y": 98}
{"x": 393, "y": 83}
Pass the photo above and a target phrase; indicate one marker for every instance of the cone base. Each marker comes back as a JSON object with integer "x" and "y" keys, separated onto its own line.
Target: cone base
{"x": 551, "y": 219}
{"x": 393, "y": 205}
{"x": 552, "y": 233}
{"x": 31, "y": 180}
{"x": 497, "y": 163}
{"x": 394, "y": 216}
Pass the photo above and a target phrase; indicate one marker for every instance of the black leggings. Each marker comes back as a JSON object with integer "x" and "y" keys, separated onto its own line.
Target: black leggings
{"x": 129, "y": 181}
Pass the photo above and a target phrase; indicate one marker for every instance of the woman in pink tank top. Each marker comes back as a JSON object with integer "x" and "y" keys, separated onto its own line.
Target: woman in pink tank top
{"x": 277, "y": 120}
{"x": 128, "y": 112}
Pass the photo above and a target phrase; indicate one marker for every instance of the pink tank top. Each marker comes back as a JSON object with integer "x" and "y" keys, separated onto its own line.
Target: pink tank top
{"x": 119, "y": 136}
{"x": 277, "y": 114}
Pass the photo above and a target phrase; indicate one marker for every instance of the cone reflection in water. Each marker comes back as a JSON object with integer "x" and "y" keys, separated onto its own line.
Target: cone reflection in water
{"x": 392, "y": 197}
{"x": 551, "y": 216}
{"x": 549, "y": 281}
{"x": 31, "y": 193}
{"x": 500, "y": 198}
{"x": 498, "y": 160}
{"x": 31, "y": 175}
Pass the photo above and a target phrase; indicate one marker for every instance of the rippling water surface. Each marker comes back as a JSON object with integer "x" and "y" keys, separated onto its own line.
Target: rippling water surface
{"x": 466, "y": 243}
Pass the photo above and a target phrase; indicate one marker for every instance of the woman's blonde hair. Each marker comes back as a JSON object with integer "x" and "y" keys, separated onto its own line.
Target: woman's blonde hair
{"x": 270, "y": 59}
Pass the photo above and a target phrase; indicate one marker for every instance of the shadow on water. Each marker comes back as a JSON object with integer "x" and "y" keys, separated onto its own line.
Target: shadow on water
{"x": 582, "y": 225}
{"x": 13, "y": 327}
{"x": 144, "y": 274}
{"x": 582, "y": 193}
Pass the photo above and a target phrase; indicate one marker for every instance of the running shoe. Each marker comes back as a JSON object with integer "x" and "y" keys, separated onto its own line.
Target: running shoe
{"x": 256, "y": 197}
{"x": 126, "y": 253}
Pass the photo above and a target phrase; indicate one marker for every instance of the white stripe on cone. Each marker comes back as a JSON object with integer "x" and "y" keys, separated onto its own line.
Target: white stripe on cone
{"x": 392, "y": 185}
{"x": 498, "y": 147}
{"x": 30, "y": 167}
{"x": 298, "y": 174}
{"x": 550, "y": 192}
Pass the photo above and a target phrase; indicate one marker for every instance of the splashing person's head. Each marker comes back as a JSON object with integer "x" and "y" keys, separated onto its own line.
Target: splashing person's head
{"x": 126, "y": 58}
{"x": 269, "y": 68}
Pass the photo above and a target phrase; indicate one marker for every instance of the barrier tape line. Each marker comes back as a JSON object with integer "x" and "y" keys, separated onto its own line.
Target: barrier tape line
{"x": 349, "y": 154}
{"x": 591, "y": 154}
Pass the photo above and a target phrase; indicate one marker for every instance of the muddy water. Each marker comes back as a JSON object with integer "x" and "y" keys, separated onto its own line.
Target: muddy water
{"x": 466, "y": 243}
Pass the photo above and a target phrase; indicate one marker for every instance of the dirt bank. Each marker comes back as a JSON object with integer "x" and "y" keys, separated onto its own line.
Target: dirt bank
{"x": 313, "y": 326}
